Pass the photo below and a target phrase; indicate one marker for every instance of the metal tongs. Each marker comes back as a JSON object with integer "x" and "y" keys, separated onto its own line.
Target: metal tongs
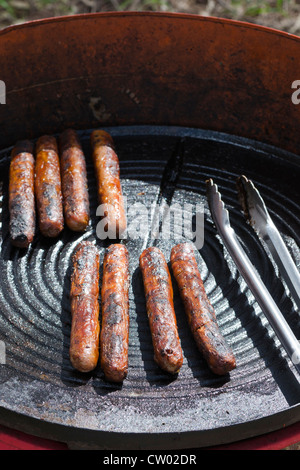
{"x": 220, "y": 216}
{"x": 259, "y": 218}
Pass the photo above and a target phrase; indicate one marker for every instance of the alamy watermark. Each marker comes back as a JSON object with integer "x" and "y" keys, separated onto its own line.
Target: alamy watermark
{"x": 296, "y": 94}
{"x": 159, "y": 221}
{"x": 2, "y": 353}
{"x": 2, "y": 92}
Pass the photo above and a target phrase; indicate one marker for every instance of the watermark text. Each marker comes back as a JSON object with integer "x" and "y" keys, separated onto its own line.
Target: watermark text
{"x": 162, "y": 221}
{"x": 296, "y": 94}
{"x": 2, "y": 92}
{"x": 2, "y": 353}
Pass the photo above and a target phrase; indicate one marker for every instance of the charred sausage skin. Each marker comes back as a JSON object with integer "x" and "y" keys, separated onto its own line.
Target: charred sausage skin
{"x": 48, "y": 187}
{"x": 160, "y": 310}
{"x": 200, "y": 312}
{"x": 115, "y": 313}
{"x": 84, "y": 293}
{"x": 107, "y": 168}
{"x": 74, "y": 181}
{"x": 21, "y": 195}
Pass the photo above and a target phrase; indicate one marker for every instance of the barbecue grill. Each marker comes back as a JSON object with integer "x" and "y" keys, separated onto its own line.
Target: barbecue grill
{"x": 221, "y": 88}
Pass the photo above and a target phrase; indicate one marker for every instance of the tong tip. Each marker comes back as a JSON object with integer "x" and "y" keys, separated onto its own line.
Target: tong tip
{"x": 241, "y": 184}
{"x": 217, "y": 207}
{"x": 253, "y": 206}
{"x": 211, "y": 187}
{"x": 209, "y": 182}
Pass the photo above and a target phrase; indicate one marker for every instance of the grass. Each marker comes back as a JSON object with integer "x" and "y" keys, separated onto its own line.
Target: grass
{"x": 7, "y": 7}
{"x": 14, "y": 11}
{"x": 21, "y": 9}
{"x": 260, "y": 7}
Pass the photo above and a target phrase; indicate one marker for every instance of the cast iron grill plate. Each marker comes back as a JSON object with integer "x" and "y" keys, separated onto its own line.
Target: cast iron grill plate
{"x": 40, "y": 391}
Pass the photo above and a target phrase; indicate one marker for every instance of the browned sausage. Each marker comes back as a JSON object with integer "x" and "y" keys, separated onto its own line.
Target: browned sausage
{"x": 84, "y": 293}
{"x": 160, "y": 310}
{"x": 110, "y": 194}
{"x": 74, "y": 181}
{"x": 115, "y": 313}
{"x": 200, "y": 313}
{"x": 48, "y": 187}
{"x": 21, "y": 195}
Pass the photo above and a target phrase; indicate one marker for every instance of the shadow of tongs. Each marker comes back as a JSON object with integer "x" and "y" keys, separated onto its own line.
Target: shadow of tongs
{"x": 277, "y": 321}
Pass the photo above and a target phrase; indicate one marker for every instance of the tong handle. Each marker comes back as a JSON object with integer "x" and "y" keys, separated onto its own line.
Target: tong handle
{"x": 284, "y": 261}
{"x": 257, "y": 213}
{"x": 266, "y": 301}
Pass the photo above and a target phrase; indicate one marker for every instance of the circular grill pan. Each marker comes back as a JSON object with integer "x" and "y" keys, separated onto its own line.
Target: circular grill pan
{"x": 40, "y": 391}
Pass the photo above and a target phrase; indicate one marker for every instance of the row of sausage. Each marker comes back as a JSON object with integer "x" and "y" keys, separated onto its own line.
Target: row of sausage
{"x": 48, "y": 181}
{"x": 51, "y": 180}
{"x": 110, "y": 340}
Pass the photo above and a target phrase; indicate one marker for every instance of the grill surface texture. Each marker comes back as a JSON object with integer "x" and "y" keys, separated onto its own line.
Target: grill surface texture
{"x": 41, "y": 393}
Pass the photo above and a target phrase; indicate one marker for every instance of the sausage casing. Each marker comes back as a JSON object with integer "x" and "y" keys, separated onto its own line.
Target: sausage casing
{"x": 21, "y": 195}
{"x": 84, "y": 299}
{"x": 74, "y": 181}
{"x": 110, "y": 194}
{"x": 160, "y": 310}
{"x": 48, "y": 187}
{"x": 200, "y": 312}
{"x": 115, "y": 313}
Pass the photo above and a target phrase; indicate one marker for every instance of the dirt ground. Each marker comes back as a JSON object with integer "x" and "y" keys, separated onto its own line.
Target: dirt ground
{"x": 279, "y": 14}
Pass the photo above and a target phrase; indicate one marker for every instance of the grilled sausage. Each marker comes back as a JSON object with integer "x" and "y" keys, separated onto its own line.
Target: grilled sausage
{"x": 48, "y": 187}
{"x": 74, "y": 181}
{"x": 115, "y": 313}
{"x": 84, "y": 293}
{"x": 110, "y": 195}
{"x": 21, "y": 195}
{"x": 200, "y": 313}
{"x": 160, "y": 310}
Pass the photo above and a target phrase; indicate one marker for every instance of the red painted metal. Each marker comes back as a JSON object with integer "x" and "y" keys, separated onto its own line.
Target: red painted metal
{"x": 11, "y": 439}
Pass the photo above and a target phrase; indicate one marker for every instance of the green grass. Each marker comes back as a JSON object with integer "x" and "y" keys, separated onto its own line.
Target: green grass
{"x": 7, "y": 7}
{"x": 18, "y": 10}
{"x": 259, "y": 7}
{"x": 252, "y": 8}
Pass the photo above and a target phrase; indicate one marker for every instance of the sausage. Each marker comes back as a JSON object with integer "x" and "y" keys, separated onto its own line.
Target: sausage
{"x": 74, "y": 181}
{"x": 160, "y": 310}
{"x": 109, "y": 188}
{"x": 48, "y": 187}
{"x": 115, "y": 313}
{"x": 21, "y": 195}
{"x": 84, "y": 293}
{"x": 200, "y": 312}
